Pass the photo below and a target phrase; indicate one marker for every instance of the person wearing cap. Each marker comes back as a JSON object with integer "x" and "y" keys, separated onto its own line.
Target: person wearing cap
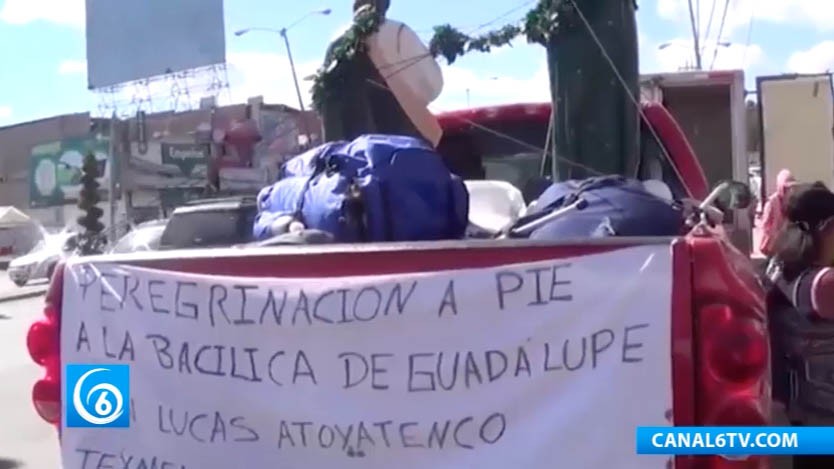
{"x": 772, "y": 214}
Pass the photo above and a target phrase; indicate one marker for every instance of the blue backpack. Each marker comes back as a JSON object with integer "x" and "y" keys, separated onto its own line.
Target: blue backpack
{"x": 375, "y": 188}
{"x": 611, "y": 206}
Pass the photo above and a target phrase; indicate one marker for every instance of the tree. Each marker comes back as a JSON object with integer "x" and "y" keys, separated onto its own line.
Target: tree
{"x": 91, "y": 240}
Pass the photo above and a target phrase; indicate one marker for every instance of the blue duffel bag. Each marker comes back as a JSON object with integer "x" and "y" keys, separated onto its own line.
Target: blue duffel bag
{"x": 601, "y": 207}
{"x": 375, "y": 188}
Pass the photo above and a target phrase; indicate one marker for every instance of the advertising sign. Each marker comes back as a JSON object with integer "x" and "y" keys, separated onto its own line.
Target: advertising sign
{"x": 185, "y": 156}
{"x": 55, "y": 170}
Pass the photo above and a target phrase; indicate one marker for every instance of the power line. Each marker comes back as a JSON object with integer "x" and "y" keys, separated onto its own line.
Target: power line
{"x": 634, "y": 99}
{"x": 696, "y": 40}
{"x": 408, "y": 62}
{"x": 749, "y": 33}
{"x": 502, "y": 16}
{"x": 720, "y": 32}
{"x": 481, "y": 26}
{"x": 709, "y": 22}
{"x": 698, "y": 17}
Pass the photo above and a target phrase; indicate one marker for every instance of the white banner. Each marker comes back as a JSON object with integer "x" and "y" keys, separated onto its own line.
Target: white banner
{"x": 534, "y": 365}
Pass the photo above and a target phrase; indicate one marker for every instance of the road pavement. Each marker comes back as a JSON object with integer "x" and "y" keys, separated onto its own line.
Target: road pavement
{"x": 26, "y": 441}
{"x": 9, "y": 291}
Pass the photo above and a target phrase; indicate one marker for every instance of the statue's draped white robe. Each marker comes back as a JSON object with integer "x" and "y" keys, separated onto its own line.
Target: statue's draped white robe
{"x": 410, "y": 72}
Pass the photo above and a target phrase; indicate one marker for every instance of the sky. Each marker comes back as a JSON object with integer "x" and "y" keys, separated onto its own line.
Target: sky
{"x": 43, "y": 67}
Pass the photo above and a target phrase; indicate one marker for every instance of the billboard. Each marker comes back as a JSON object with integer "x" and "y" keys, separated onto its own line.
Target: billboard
{"x": 55, "y": 170}
{"x": 128, "y": 41}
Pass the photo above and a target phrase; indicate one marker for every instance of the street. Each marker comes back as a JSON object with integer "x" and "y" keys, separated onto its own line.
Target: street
{"x": 26, "y": 441}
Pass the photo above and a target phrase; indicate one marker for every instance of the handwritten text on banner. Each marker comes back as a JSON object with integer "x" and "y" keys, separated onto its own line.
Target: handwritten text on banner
{"x": 522, "y": 365}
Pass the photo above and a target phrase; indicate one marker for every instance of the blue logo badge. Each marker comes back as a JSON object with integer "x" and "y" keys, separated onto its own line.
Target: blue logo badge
{"x": 97, "y": 396}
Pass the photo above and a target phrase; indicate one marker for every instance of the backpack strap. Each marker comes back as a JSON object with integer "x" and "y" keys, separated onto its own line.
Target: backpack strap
{"x": 564, "y": 201}
{"x": 798, "y": 292}
{"x": 803, "y": 291}
{"x": 356, "y": 214}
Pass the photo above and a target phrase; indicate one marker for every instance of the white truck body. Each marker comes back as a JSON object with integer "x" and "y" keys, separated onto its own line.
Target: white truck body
{"x": 710, "y": 109}
{"x": 797, "y": 118}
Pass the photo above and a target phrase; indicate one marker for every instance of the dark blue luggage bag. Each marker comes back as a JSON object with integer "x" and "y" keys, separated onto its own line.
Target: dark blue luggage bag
{"x": 612, "y": 206}
{"x": 375, "y": 188}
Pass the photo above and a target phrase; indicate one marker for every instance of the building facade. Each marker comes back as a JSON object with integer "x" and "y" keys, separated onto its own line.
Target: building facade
{"x": 16, "y": 175}
{"x": 155, "y": 161}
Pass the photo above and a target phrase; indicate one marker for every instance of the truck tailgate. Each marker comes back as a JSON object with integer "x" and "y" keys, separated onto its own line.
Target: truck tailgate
{"x": 430, "y": 355}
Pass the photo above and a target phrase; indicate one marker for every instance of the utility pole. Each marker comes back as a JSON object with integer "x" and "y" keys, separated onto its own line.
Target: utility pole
{"x": 283, "y": 33}
{"x": 297, "y": 88}
{"x": 292, "y": 69}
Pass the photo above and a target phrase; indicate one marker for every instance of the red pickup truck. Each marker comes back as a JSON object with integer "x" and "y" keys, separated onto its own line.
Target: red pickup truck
{"x": 515, "y": 354}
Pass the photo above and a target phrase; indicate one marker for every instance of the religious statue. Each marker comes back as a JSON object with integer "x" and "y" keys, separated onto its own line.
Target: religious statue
{"x": 594, "y": 78}
{"x": 385, "y": 86}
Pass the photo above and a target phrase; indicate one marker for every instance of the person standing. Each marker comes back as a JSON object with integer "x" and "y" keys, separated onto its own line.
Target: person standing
{"x": 801, "y": 313}
{"x": 773, "y": 216}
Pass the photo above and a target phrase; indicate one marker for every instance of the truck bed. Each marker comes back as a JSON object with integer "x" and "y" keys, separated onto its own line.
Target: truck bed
{"x": 441, "y": 354}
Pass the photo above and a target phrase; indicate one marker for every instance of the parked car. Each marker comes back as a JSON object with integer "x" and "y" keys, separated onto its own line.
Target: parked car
{"x": 40, "y": 261}
{"x": 144, "y": 237}
{"x": 210, "y": 223}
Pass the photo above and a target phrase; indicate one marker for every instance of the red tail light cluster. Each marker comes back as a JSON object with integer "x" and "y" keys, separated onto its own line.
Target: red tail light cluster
{"x": 43, "y": 342}
{"x": 732, "y": 354}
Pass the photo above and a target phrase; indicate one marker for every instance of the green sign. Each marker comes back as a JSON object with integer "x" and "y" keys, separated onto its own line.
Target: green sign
{"x": 55, "y": 170}
{"x": 185, "y": 155}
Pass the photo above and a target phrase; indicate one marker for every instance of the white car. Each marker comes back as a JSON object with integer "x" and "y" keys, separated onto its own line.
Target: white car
{"x": 39, "y": 262}
{"x": 144, "y": 237}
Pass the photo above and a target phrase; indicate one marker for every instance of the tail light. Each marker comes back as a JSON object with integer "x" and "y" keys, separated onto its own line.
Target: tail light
{"x": 735, "y": 347}
{"x": 46, "y": 395}
{"x": 43, "y": 342}
{"x": 732, "y": 352}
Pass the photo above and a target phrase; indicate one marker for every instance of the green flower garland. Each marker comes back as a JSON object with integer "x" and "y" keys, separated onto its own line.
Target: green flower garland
{"x": 330, "y": 76}
{"x": 451, "y": 43}
{"x": 543, "y": 20}
{"x": 538, "y": 26}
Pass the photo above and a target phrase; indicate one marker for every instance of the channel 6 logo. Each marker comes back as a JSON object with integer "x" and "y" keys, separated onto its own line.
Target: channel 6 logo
{"x": 97, "y": 396}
